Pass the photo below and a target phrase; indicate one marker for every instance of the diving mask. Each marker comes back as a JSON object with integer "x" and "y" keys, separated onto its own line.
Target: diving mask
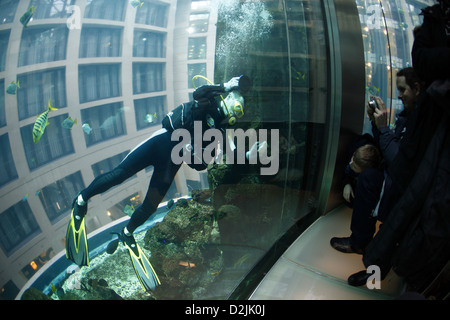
{"x": 238, "y": 109}
{"x": 233, "y": 107}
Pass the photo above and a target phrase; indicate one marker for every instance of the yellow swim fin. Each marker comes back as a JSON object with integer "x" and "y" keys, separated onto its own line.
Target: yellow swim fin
{"x": 76, "y": 237}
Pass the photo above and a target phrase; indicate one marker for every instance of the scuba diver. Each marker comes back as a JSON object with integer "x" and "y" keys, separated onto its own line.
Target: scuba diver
{"x": 156, "y": 152}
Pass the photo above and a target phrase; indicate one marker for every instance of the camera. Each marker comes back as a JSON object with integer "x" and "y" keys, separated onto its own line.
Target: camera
{"x": 373, "y": 104}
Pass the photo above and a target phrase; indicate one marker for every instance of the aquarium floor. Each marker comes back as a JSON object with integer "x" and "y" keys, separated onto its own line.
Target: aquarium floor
{"x": 312, "y": 270}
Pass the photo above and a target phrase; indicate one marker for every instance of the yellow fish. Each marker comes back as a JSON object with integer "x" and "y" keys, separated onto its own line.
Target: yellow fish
{"x": 41, "y": 123}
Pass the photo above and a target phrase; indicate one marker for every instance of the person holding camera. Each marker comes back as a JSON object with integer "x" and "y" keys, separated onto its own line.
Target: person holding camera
{"x": 388, "y": 139}
{"x": 374, "y": 198}
{"x": 415, "y": 238}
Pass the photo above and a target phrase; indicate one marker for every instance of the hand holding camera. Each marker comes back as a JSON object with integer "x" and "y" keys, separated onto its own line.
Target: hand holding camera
{"x": 377, "y": 112}
{"x": 373, "y": 103}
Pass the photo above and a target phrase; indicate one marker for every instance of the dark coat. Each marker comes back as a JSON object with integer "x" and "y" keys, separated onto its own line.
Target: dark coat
{"x": 415, "y": 238}
{"x": 431, "y": 48}
{"x": 388, "y": 139}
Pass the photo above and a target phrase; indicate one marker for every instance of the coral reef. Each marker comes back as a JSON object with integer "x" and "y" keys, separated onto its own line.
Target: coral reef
{"x": 184, "y": 249}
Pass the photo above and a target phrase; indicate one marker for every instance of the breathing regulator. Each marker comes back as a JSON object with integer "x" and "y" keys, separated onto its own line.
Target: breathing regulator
{"x": 244, "y": 85}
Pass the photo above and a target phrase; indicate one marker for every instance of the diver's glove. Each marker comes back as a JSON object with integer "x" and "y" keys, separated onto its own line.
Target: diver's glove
{"x": 260, "y": 148}
{"x": 233, "y": 84}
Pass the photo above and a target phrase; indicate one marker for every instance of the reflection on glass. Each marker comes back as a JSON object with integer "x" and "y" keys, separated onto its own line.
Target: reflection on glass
{"x": 40, "y": 45}
{"x": 96, "y": 82}
{"x": 118, "y": 72}
{"x": 105, "y": 9}
{"x": 100, "y": 42}
{"x": 17, "y": 226}
{"x": 51, "y": 9}
{"x": 37, "y": 88}
{"x": 56, "y": 143}
{"x": 152, "y": 13}
{"x": 4, "y": 39}
{"x": 106, "y": 122}
{"x": 149, "y": 44}
{"x": 8, "y": 170}
{"x": 387, "y": 29}
{"x": 149, "y": 111}
{"x": 57, "y": 198}
{"x": 148, "y": 77}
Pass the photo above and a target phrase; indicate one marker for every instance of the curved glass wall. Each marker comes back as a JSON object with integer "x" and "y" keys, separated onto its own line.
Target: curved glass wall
{"x": 388, "y": 36}
{"x": 109, "y": 65}
{"x": 117, "y": 67}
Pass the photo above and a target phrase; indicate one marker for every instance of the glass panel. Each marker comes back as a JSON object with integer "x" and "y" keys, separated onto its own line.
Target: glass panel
{"x": 51, "y": 9}
{"x": 198, "y": 23}
{"x": 280, "y": 56}
{"x": 152, "y": 13}
{"x": 8, "y": 170}
{"x": 108, "y": 164}
{"x": 4, "y": 40}
{"x": 2, "y": 103}
{"x": 43, "y": 44}
{"x": 388, "y": 35}
{"x": 126, "y": 206}
{"x": 105, "y": 9}
{"x": 197, "y": 48}
{"x": 105, "y": 122}
{"x": 57, "y": 197}
{"x": 96, "y": 82}
{"x": 55, "y": 143}
{"x": 37, "y": 88}
{"x": 148, "y": 77}
{"x": 17, "y": 226}
{"x": 8, "y": 10}
{"x": 149, "y": 111}
{"x": 100, "y": 42}
{"x": 149, "y": 44}
{"x": 120, "y": 66}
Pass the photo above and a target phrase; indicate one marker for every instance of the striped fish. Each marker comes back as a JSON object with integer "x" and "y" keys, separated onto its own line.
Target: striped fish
{"x": 41, "y": 123}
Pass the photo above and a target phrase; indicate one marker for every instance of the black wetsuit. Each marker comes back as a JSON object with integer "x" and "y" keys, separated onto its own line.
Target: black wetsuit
{"x": 156, "y": 152}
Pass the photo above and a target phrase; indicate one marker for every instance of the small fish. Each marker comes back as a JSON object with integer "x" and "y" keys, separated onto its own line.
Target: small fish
{"x": 69, "y": 123}
{"x": 53, "y": 287}
{"x": 37, "y": 192}
{"x": 135, "y": 3}
{"x": 129, "y": 210}
{"x": 86, "y": 128}
{"x": 25, "y": 197}
{"x": 41, "y": 123}
{"x": 216, "y": 273}
{"x": 186, "y": 264}
{"x": 26, "y": 17}
{"x": 150, "y": 118}
{"x": 12, "y": 87}
{"x": 241, "y": 260}
{"x": 300, "y": 76}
